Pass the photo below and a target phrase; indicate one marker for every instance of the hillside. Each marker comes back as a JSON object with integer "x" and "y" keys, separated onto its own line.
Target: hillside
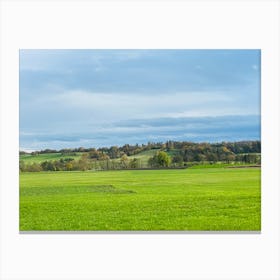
{"x": 179, "y": 154}
{"x": 39, "y": 158}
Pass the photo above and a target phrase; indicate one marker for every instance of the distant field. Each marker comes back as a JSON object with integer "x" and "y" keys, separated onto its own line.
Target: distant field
{"x": 188, "y": 199}
{"x": 144, "y": 156}
{"x": 46, "y": 157}
{"x": 28, "y": 159}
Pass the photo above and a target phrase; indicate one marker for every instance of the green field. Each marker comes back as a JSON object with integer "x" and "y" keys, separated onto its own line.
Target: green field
{"x": 143, "y": 158}
{"x": 28, "y": 158}
{"x": 188, "y": 199}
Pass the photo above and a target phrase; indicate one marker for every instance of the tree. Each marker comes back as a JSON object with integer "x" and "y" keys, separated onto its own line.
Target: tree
{"x": 160, "y": 159}
{"x": 212, "y": 157}
{"x": 134, "y": 163}
{"x": 69, "y": 166}
{"x": 94, "y": 154}
{"x": 177, "y": 160}
{"x": 124, "y": 161}
{"x": 114, "y": 152}
{"x": 83, "y": 163}
{"x": 230, "y": 158}
{"x": 35, "y": 167}
{"x": 48, "y": 166}
{"x": 22, "y": 166}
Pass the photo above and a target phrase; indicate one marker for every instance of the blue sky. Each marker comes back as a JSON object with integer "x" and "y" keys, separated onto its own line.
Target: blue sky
{"x": 95, "y": 98}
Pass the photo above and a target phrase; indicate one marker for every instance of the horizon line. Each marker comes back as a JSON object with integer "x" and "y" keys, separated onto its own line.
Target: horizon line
{"x": 27, "y": 150}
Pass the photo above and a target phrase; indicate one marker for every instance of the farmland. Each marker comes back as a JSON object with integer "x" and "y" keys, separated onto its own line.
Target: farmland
{"x": 198, "y": 199}
{"x": 135, "y": 157}
{"x": 28, "y": 158}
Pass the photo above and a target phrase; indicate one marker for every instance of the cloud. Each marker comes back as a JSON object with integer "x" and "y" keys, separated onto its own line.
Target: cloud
{"x": 128, "y": 105}
{"x": 137, "y": 70}
{"x": 212, "y": 129}
{"x": 68, "y": 95}
{"x": 62, "y": 60}
{"x": 76, "y": 112}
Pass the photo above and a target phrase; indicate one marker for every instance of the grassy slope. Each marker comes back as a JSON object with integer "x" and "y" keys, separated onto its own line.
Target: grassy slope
{"x": 192, "y": 199}
{"x": 48, "y": 156}
{"x": 144, "y": 156}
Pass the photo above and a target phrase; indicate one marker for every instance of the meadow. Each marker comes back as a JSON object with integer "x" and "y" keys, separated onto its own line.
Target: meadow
{"x": 198, "y": 199}
{"x": 28, "y": 158}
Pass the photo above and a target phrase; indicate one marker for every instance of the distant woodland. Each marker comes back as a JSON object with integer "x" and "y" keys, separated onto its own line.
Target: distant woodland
{"x": 170, "y": 154}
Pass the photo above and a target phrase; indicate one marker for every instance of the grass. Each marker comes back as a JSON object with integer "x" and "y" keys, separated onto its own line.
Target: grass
{"x": 29, "y": 159}
{"x": 198, "y": 165}
{"x": 189, "y": 199}
{"x": 144, "y": 156}
{"x": 47, "y": 157}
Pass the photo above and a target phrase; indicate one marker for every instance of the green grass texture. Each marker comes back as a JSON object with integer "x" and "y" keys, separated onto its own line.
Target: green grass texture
{"x": 206, "y": 199}
{"x": 28, "y": 158}
{"x": 47, "y": 157}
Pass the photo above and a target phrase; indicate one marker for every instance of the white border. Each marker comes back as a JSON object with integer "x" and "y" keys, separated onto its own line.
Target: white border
{"x": 157, "y": 24}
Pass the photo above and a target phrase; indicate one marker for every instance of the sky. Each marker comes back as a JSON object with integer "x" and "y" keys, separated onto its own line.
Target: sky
{"x": 102, "y": 98}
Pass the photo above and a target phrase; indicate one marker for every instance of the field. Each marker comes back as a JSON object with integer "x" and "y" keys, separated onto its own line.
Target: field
{"x": 199, "y": 199}
{"x": 28, "y": 158}
{"x": 143, "y": 158}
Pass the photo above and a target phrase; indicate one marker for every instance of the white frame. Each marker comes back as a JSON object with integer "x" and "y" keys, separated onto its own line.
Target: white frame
{"x": 157, "y": 24}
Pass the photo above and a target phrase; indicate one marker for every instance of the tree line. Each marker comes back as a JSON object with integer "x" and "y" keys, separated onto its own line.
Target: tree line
{"x": 169, "y": 154}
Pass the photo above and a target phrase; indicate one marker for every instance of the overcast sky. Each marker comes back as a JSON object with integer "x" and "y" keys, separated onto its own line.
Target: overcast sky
{"x": 94, "y": 98}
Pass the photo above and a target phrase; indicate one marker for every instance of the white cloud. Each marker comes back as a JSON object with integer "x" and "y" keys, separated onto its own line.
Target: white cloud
{"x": 109, "y": 107}
{"x": 100, "y": 58}
{"x": 212, "y": 112}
